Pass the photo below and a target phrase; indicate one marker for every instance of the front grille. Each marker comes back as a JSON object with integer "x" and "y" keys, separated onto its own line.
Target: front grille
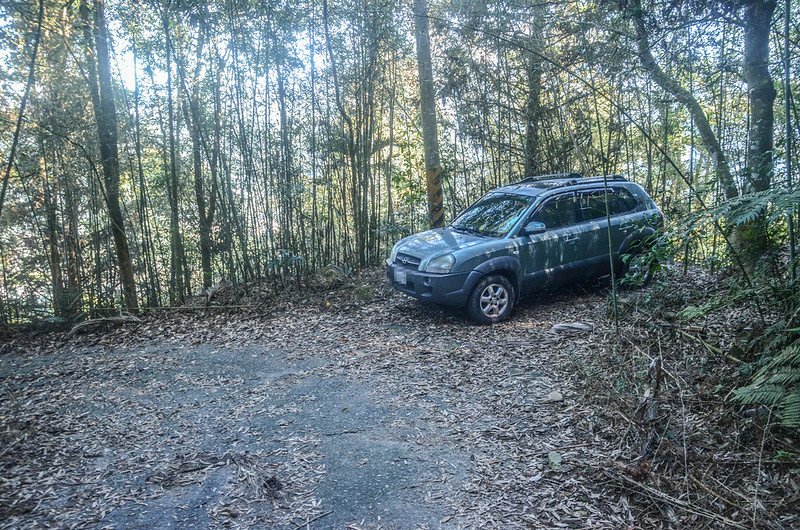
{"x": 408, "y": 261}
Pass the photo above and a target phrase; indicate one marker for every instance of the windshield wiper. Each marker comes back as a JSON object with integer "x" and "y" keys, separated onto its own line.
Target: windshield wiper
{"x": 468, "y": 230}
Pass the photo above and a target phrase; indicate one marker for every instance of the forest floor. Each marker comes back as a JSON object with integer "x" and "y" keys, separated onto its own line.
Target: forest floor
{"x": 329, "y": 410}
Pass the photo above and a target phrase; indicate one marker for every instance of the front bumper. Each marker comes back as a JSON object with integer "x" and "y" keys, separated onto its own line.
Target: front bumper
{"x": 446, "y": 289}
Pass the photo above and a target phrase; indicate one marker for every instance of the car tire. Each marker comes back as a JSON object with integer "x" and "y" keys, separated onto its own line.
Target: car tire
{"x": 492, "y": 300}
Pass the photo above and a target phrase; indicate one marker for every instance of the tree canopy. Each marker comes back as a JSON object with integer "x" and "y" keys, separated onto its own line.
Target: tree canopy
{"x": 154, "y": 148}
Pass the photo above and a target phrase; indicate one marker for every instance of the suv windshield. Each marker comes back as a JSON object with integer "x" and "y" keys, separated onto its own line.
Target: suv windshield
{"x": 493, "y": 216}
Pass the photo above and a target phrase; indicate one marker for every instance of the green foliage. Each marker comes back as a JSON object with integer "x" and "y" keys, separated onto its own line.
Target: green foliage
{"x": 787, "y": 455}
{"x": 777, "y": 384}
{"x": 332, "y": 272}
{"x": 647, "y": 256}
{"x": 775, "y": 204}
{"x": 754, "y": 223}
{"x": 285, "y": 260}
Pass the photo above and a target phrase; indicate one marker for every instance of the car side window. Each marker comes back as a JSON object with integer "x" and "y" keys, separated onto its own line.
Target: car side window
{"x": 627, "y": 201}
{"x": 593, "y": 203}
{"x": 557, "y": 212}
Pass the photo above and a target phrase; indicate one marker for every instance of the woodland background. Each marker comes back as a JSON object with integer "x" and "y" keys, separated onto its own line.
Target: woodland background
{"x": 152, "y": 149}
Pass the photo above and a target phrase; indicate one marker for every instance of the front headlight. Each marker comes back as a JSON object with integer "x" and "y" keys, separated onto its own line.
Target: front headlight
{"x": 441, "y": 265}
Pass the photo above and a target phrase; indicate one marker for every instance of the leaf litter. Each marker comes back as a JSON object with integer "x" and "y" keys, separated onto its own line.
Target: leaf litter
{"x": 535, "y": 419}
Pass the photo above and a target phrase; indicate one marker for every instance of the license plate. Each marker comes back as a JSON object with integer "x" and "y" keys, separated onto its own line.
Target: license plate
{"x": 400, "y": 276}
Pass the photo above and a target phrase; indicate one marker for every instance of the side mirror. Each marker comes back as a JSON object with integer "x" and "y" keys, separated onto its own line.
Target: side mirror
{"x": 534, "y": 227}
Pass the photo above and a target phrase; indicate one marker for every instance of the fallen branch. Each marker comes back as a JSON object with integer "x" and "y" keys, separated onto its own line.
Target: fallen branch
{"x": 572, "y": 327}
{"x": 672, "y": 501}
{"x": 709, "y": 347}
{"x": 95, "y": 323}
{"x": 716, "y": 494}
{"x": 307, "y": 524}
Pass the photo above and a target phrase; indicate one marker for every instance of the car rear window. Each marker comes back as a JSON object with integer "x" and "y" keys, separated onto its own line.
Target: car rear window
{"x": 593, "y": 203}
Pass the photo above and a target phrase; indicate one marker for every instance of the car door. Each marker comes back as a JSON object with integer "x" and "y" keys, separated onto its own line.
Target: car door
{"x": 594, "y": 229}
{"x": 547, "y": 258}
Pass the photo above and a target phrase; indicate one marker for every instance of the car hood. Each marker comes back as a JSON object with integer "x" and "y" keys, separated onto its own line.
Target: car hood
{"x": 437, "y": 241}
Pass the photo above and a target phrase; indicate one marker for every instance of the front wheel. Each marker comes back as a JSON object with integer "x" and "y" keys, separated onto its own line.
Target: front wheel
{"x": 492, "y": 300}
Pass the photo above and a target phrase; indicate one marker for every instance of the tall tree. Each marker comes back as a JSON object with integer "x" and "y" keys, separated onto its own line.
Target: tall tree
{"x": 192, "y": 109}
{"x": 757, "y": 18}
{"x": 23, "y": 103}
{"x": 533, "y": 103}
{"x": 752, "y": 237}
{"x": 430, "y": 133}
{"x": 180, "y": 273}
{"x": 105, "y": 112}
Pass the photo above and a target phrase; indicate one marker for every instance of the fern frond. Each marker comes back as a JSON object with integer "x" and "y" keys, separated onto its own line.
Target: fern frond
{"x": 767, "y": 394}
{"x": 789, "y": 356}
{"x": 785, "y": 376}
{"x": 790, "y": 409}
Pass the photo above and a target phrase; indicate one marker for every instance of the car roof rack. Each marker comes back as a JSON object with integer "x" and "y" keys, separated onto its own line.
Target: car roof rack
{"x": 571, "y": 179}
{"x": 552, "y": 176}
{"x": 593, "y": 180}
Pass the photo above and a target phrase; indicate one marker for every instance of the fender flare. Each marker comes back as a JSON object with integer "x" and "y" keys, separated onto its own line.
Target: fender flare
{"x": 502, "y": 263}
{"x": 632, "y": 239}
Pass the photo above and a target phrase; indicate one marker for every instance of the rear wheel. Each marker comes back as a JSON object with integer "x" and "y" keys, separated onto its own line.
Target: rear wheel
{"x": 492, "y": 300}
{"x": 637, "y": 271}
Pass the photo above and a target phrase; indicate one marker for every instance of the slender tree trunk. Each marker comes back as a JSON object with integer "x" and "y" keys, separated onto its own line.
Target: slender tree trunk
{"x": 787, "y": 96}
{"x": 148, "y": 249}
{"x": 52, "y": 231}
{"x": 390, "y": 156}
{"x": 430, "y": 135}
{"x": 351, "y": 139}
{"x": 533, "y": 116}
{"x": 761, "y": 90}
{"x": 176, "y": 241}
{"x": 23, "y": 103}
{"x": 105, "y": 112}
{"x": 315, "y": 243}
{"x": 193, "y": 114}
{"x": 71, "y": 239}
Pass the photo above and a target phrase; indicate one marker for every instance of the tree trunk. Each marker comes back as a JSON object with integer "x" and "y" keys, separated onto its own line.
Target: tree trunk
{"x": 105, "y": 112}
{"x": 427, "y": 96}
{"x": 761, "y": 90}
{"x": 193, "y": 115}
{"x": 752, "y": 237}
{"x": 389, "y": 199}
{"x": 52, "y": 231}
{"x": 533, "y": 116}
{"x": 23, "y": 103}
{"x": 148, "y": 249}
{"x": 351, "y": 141}
{"x": 176, "y": 241}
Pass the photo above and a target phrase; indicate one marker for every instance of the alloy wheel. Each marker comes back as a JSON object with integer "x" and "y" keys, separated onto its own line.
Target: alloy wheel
{"x": 494, "y": 300}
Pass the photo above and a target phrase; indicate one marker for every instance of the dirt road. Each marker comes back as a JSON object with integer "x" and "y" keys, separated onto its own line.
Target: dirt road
{"x": 383, "y": 414}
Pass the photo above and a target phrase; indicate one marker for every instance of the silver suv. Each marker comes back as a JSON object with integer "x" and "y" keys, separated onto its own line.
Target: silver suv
{"x": 521, "y": 238}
